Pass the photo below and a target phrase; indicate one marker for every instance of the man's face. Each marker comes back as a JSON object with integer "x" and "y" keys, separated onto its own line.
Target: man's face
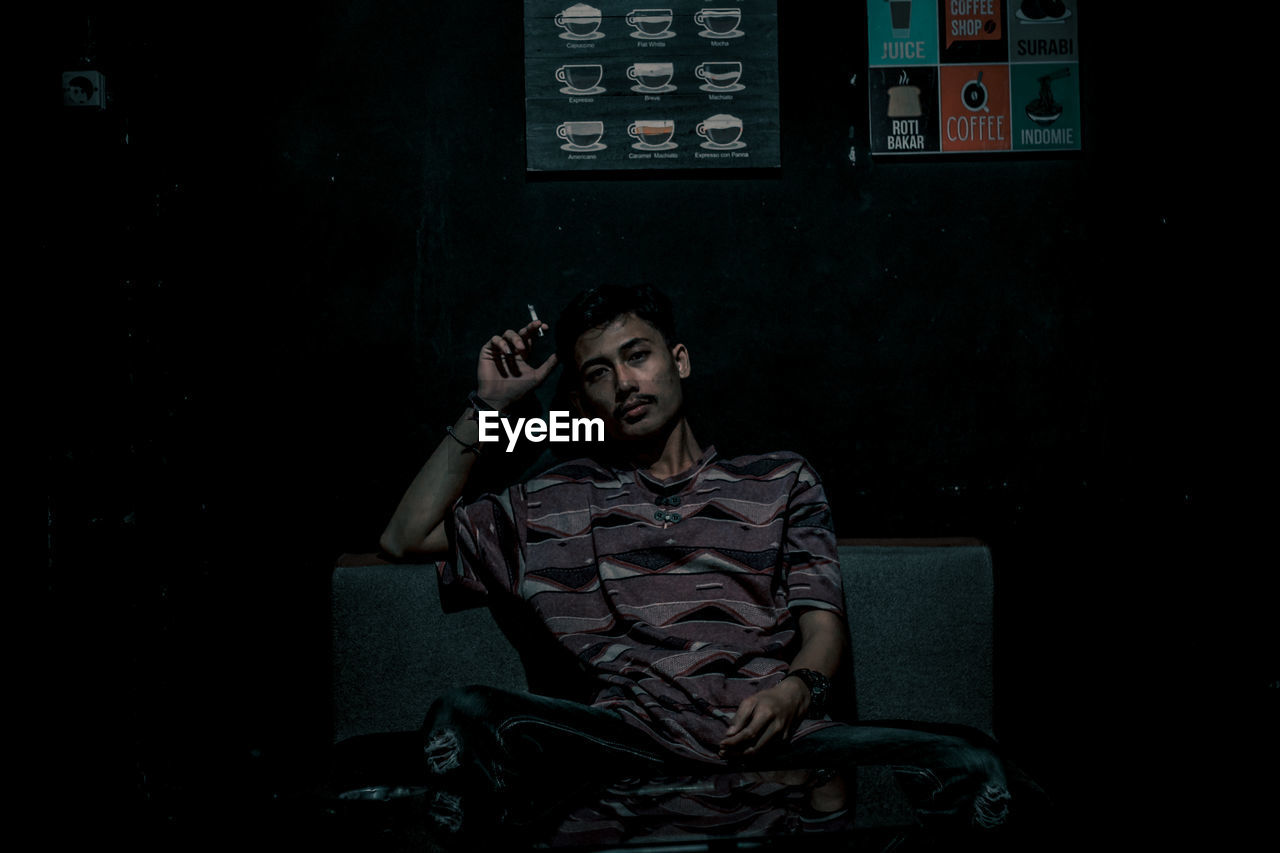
{"x": 630, "y": 378}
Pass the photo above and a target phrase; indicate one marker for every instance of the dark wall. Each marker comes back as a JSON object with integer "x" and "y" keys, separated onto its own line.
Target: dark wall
{"x": 273, "y": 260}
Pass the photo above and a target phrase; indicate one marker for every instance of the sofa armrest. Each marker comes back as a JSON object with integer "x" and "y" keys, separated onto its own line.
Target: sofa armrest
{"x": 921, "y": 625}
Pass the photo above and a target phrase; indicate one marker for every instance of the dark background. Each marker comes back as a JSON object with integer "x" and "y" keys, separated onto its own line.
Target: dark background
{"x": 267, "y": 267}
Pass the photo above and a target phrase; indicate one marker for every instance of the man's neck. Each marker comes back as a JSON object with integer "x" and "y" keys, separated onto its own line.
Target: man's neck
{"x": 669, "y": 456}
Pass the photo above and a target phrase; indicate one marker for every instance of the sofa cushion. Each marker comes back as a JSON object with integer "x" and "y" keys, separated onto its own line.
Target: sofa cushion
{"x": 920, "y": 618}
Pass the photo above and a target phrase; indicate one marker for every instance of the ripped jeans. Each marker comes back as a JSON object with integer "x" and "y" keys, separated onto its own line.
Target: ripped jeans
{"x": 507, "y": 761}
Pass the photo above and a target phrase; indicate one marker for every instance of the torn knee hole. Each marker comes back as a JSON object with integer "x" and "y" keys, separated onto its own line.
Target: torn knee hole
{"x": 443, "y": 751}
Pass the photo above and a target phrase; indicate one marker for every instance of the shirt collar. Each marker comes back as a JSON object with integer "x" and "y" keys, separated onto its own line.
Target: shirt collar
{"x": 679, "y": 481}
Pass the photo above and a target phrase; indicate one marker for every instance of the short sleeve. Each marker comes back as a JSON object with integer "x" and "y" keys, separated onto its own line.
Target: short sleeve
{"x": 813, "y": 581}
{"x": 486, "y": 553}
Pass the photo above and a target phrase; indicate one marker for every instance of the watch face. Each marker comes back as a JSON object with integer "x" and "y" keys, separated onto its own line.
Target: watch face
{"x": 818, "y": 685}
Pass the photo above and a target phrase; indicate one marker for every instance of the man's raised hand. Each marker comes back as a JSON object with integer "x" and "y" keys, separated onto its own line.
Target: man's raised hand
{"x": 504, "y": 373}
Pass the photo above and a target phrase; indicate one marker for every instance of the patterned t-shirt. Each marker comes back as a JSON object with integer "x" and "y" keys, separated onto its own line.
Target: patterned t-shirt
{"x": 680, "y": 597}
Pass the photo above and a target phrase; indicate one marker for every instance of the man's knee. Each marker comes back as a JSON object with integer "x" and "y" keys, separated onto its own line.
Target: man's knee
{"x": 463, "y": 705}
{"x": 454, "y": 722}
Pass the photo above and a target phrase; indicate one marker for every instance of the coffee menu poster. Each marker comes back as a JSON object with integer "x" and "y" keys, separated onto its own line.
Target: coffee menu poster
{"x": 613, "y": 85}
{"x": 952, "y": 76}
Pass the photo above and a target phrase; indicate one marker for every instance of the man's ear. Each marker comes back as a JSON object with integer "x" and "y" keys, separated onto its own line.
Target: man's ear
{"x": 684, "y": 366}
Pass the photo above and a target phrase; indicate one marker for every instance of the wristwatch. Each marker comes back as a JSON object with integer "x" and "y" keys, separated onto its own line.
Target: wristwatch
{"x": 819, "y": 689}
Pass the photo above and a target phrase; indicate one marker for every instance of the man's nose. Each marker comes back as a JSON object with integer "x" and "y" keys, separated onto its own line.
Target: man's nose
{"x": 626, "y": 384}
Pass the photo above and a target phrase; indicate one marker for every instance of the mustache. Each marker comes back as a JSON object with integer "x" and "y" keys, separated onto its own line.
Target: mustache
{"x": 634, "y": 401}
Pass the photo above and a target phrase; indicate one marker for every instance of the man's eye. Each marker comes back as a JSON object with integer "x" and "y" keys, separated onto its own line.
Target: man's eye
{"x": 638, "y": 356}
{"x": 593, "y": 375}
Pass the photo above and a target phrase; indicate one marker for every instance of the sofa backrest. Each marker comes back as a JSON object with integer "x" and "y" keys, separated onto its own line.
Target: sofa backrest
{"x": 920, "y": 621}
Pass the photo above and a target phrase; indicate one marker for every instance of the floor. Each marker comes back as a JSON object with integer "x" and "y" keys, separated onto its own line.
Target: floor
{"x": 312, "y": 807}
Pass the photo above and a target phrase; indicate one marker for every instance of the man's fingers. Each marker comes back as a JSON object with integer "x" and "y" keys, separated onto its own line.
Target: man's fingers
{"x": 770, "y": 731}
{"x": 511, "y": 351}
{"x": 747, "y": 731}
{"x": 532, "y": 328}
{"x": 547, "y": 366}
{"x": 496, "y": 352}
{"x": 516, "y": 344}
{"x": 741, "y": 716}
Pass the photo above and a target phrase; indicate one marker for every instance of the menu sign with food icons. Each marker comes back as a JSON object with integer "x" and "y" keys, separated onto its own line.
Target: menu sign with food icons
{"x": 612, "y": 85}
{"x": 953, "y": 76}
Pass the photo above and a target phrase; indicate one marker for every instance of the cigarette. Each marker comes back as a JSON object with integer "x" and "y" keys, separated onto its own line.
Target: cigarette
{"x": 533, "y": 315}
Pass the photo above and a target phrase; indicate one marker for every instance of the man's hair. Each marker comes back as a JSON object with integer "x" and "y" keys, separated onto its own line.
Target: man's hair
{"x": 600, "y": 306}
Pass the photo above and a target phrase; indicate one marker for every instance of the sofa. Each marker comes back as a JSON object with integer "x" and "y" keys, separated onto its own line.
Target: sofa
{"x": 920, "y": 615}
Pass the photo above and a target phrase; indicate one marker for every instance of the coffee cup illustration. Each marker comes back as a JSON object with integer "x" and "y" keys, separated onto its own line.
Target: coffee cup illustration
{"x": 718, "y": 23}
{"x": 579, "y": 21}
{"x": 581, "y": 135}
{"x": 652, "y": 133}
{"x": 974, "y": 95}
{"x": 580, "y": 79}
{"x": 719, "y": 76}
{"x": 650, "y": 23}
{"x": 652, "y": 76}
{"x": 720, "y": 131}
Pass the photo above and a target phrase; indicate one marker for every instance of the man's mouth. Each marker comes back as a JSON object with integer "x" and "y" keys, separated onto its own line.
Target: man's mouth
{"x": 633, "y": 409}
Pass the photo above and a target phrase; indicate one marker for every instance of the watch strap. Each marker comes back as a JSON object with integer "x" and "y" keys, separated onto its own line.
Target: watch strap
{"x": 474, "y": 401}
{"x": 819, "y": 690}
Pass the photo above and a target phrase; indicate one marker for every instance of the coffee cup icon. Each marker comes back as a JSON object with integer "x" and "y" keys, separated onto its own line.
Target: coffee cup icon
{"x": 719, "y": 76}
{"x": 581, "y": 135}
{"x": 579, "y": 21}
{"x": 974, "y": 95}
{"x": 650, "y": 23}
{"x": 718, "y": 23}
{"x": 652, "y": 76}
{"x": 652, "y": 134}
{"x": 720, "y": 131}
{"x": 580, "y": 79}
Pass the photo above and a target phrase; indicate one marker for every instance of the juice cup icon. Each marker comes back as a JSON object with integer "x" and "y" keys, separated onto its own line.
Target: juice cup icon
{"x": 900, "y": 17}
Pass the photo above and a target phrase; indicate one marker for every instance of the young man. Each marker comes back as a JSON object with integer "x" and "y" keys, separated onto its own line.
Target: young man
{"x": 701, "y": 596}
